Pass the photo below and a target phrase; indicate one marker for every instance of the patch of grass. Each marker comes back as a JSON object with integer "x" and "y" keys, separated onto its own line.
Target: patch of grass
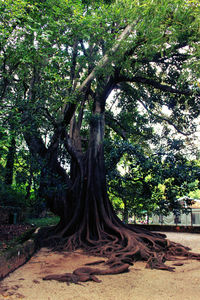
{"x": 40, "y": 222}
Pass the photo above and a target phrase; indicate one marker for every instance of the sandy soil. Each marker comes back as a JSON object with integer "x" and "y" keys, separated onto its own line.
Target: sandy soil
{"x": 139, "y": 283}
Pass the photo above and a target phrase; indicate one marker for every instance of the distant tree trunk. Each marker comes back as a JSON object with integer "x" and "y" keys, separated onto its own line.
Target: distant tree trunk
{"x": 10, "y": 162}
{"x": 125, "y": 212}
{"x": 28, "y": 188}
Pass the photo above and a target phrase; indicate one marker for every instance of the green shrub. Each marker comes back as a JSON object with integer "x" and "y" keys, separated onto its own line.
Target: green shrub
{"x": 11, "y": 197}
{"x": 43, "y": 221}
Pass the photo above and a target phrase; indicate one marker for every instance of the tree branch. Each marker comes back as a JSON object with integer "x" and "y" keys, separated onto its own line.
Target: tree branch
{"x": 160, "y": 116}
{"x": 103, "y": 62}
{"x": 74, "y": 57}
{"x": 155, "y": 84}
{"x": 111, "y": 121}
{"x": 164, "y": 118}
{"x": 69, "y": 108}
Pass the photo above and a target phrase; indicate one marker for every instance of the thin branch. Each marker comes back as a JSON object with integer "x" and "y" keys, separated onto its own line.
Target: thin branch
{"x": 155, "y": 84}
{"x": 74, "y": 57}
{"x": 83, "y": 48}
{"x": 111, "y": 121}
{"x": 160, "y": 116}
{"x": 164, "y": 118}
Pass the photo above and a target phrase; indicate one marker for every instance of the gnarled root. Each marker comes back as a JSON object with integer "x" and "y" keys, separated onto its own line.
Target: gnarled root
{"x": 87, "y": 274}
{"x": 121, "y": 251}
{"x": 157, "y": 262}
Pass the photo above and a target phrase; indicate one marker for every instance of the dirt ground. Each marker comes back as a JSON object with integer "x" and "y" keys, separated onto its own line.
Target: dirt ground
{"x": 138, "y": 284}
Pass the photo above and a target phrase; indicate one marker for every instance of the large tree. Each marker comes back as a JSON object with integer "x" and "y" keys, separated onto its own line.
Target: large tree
{"x": 60, "y": 60}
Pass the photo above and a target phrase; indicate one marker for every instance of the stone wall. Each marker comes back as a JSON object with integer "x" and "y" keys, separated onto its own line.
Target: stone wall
{"x": 15, "y": 257}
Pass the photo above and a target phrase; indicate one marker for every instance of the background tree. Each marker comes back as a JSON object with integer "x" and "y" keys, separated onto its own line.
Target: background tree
{"x": 142, "y": 184}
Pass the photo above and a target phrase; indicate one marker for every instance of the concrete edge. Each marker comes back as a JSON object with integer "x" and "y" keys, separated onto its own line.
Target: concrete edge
{"x": 15, "y": 257}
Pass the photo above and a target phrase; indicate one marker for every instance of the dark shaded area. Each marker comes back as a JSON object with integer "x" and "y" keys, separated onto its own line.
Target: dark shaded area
{"x": 167, "y": 228}
{"x": 12, "y": 233}
{"x": 8, "y": 232}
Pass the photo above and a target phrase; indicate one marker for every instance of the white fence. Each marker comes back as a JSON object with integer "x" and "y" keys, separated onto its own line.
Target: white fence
{"x": 190, "y": 219}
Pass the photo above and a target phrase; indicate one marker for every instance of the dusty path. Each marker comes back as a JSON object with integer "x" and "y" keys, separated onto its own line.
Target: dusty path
{"x": 139, "y": 284}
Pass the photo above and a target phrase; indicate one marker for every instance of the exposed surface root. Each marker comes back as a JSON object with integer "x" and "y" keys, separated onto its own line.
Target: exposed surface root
{"x": 98, "y": 262}
{"x": 87, "y": 274}
{"x": 121, "y": 251}
{"x": 157, "y": 263}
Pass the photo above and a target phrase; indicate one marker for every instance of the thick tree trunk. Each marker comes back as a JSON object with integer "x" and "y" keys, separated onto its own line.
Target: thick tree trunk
{"x": 92, "y": 213}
